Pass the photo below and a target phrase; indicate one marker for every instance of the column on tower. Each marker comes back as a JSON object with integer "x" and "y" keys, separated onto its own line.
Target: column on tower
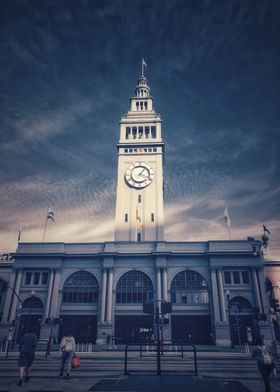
{"x": 50, "y": 293}
{"x": 158, "y": 272}
{"x": 15, "y": 301}
{"x": 256, "y": 289}
{"x": 221, "y": 295}
{"x": 164, "y": 283}
{"x": 215, "y": 297}
{"x": 109, "y": 296}
{"x": 9, "y": 297}
{"x": 54, "y": 305}
{"x": 103, "y": 296}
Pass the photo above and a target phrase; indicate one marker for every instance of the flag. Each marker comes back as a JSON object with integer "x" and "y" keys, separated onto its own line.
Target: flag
{"x": 19, "y": 234}
{"x": 226, "y": 216}
{"x": 144, "y": 63}
{"x": 138, "y": 219}
{"x": 50, "y": 215}
{"x": 265, "y": 230}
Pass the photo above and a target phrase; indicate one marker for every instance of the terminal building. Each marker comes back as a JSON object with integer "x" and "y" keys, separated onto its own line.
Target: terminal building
{"x": 222, "y": 292}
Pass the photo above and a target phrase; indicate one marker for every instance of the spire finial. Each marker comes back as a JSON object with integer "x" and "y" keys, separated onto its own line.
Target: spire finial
{"x": 144, "y": 64}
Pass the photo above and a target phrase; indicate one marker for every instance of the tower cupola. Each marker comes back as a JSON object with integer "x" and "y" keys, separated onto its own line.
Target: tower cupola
{"x": 142, "y": 90}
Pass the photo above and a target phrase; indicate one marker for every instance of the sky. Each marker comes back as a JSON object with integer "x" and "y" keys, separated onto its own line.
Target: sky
{"x": 67, "y": 72}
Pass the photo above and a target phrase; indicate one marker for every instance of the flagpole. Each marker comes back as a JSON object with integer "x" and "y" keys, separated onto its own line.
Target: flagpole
{"x": 45, "y": 229}
{"x": 142, "y": 67}
{"x": 229, "y": 233}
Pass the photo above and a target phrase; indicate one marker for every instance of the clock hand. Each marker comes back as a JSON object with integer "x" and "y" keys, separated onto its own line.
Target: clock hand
{"x": 143, "y": 175}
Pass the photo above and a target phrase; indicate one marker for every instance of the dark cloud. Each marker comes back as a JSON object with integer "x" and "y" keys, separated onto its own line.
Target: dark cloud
{"x": 68, "y": 69}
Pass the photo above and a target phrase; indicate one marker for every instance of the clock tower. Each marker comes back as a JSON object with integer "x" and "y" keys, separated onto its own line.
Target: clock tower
{"x": 139, "y": 202}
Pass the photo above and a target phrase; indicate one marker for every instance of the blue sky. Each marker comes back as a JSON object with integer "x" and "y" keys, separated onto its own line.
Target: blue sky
{"x": 67, "y": 71}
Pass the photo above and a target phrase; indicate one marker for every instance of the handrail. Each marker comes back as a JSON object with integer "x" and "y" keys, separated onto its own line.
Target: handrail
{"x": 163, "y": 344}
{"x": 195, "y": 359}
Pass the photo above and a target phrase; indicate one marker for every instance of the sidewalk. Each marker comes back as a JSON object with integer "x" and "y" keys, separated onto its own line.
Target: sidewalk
{"x": 143, "y": 383}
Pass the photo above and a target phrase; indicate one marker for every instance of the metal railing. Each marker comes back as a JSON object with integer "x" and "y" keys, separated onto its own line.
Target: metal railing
{"x": 182, "y": 351}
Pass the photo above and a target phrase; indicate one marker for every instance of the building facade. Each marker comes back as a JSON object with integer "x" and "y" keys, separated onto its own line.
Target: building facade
{"x": 220, "y": 290}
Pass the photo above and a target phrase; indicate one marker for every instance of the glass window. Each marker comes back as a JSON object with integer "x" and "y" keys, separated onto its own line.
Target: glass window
{"x": 130, "y": 150}
{"x": 189, "y": 287}
{"x": 154, "y": 150}
{"x": 152, "y": 217}
{"x": 134, "y": 287}
{"x": 236, "y": 277}
{"x": 245, "y": 277}
{"x": 36, "y": 278}
{"x": 139, "y": 198}
{"x": 153, "y": 131}
{"x": 28, "y": 276}
{"x": 147, "y": 131}
{"x": 126, "y": 217}
{"x": 32, "y": 303}
{"x": 227, "y": 276}
{"x": 127, "y": 132}
{"x": 134, "y": 132}
{"x": 80, "y": 287}
{"x": 138, "y": 237}
{"x": 125, "y": 150}
{"x": 45, "y": 278}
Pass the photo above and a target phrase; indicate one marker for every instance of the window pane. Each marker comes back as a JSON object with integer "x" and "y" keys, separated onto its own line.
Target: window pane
{"x": 245, "y": 277}
{"x": 236, "y": 277}
{"x": 28, "y": 277}
{"x": 81, "y": 287}
{"x": 36, "y": 278}
{"x": 227, "y": 277}
{"x": 45, "y": 278}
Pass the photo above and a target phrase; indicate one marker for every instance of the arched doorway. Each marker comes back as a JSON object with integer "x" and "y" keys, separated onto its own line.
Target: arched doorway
{"x": 243, "y": 327}
{"x": 133, "y": 289}
{"x": 189, "y": 290}
{"x": 31, "y": 316}
{"x": 80, "y": 288}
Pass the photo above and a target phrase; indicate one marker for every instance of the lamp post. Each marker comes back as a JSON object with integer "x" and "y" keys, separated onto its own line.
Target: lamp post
{"x": 235, "y": 308}
{"x": 18, "y": 311}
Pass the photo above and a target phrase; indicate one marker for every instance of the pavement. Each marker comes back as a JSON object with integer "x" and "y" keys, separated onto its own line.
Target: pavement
{"x": 104, "y": 372}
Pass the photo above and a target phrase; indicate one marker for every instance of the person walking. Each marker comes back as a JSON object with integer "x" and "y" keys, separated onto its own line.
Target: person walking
{"x": 27, "y": 347}
{"x": 265, "y": 362}
{"x": 67, "y": 346}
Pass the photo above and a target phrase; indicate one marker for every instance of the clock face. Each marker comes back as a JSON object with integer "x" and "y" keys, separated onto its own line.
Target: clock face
{"x": 139, "y": 175}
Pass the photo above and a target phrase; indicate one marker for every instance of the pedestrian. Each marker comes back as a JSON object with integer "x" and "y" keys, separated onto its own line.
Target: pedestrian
{"x": 265, "y": 362}
{"x": 67, "y": 346}
{"x": 27, "y": 347}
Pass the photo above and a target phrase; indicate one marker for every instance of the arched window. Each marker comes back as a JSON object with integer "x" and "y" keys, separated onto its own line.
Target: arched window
{"x": 32, "y": 303}
{"x": 134, "y": 287}
{"x": 189, "y": 287}
{"x": 80, "y": 287}
{"x": 240, "y": 303}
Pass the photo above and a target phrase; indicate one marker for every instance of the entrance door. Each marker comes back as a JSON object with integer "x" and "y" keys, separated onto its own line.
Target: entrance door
{"x": 133, "y": 329}
{"x": 245, "y": 324}
{"x": 29, "y": 322}
{"x": 83, "y": 328}
{"x": 198, "y": 327}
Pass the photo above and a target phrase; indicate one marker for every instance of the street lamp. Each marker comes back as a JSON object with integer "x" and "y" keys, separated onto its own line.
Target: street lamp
{"x": 235, "y": 308}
